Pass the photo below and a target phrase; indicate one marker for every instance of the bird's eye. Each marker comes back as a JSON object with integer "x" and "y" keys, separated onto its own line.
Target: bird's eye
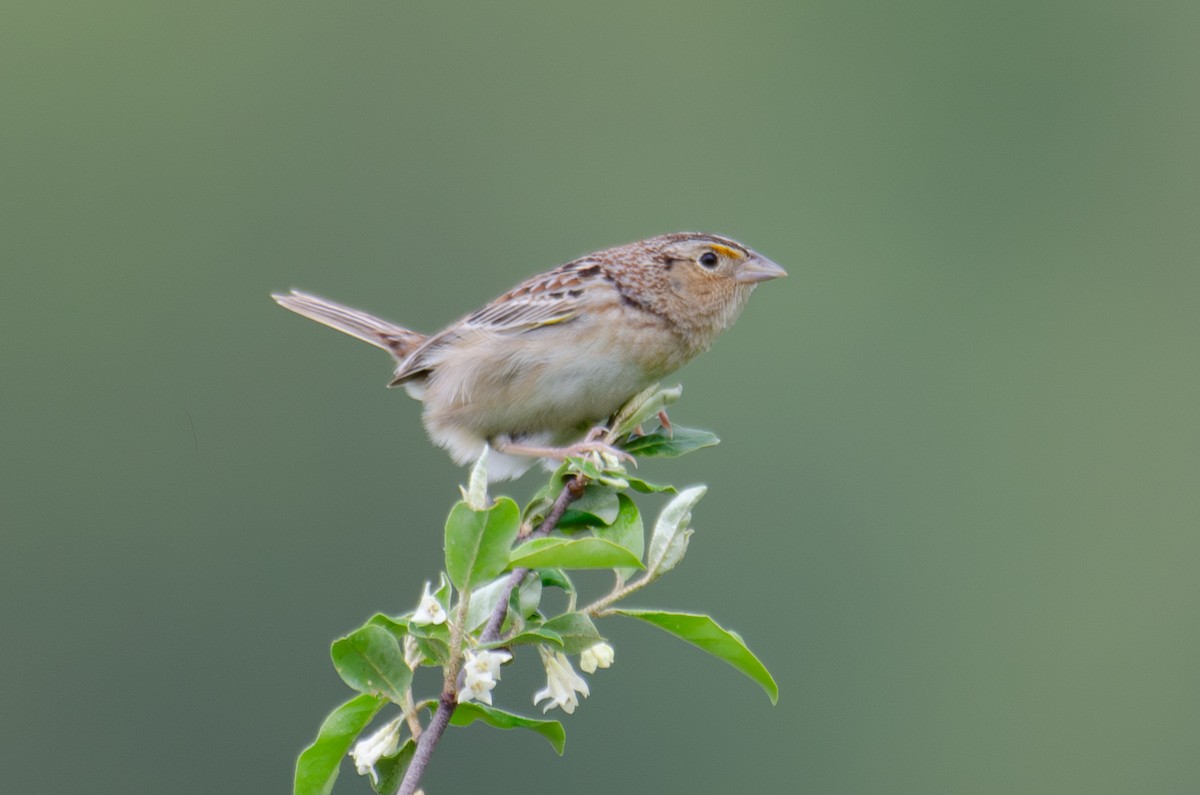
{"x": 708, "y": 259}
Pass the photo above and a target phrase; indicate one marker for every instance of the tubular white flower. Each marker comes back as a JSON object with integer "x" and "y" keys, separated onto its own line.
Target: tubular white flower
{"x": 366, "y": 753}
{"x": 597, "y": 656}
{"x": 562, "y": 683}
{"x": 430, "y": 610}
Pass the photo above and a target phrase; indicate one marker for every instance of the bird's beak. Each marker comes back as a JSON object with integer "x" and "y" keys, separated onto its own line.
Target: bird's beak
{"x": 758, "y": 269}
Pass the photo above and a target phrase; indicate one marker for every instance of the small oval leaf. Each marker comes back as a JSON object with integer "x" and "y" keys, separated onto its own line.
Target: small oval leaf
{"x": 477, "y": 542}
{"x": 669, "y": 541}
{"x": 371, "y": 661}
{"x": 703, "y": 632}
{"x": 679, "y": 442}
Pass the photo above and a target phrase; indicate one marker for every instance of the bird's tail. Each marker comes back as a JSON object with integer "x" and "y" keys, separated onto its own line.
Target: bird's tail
{"x": 396, "y": 340}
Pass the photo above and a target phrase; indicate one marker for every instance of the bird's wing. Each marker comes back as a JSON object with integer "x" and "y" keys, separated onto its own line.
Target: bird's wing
{"x": 547, "y": 299}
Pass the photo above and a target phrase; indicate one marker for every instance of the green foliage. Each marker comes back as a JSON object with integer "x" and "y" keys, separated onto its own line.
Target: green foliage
{"x": 626, "y": 531}
{"x": 670, "y": 444}
{"x": 576, "y": 630}
{"x": 317, "y": 767}
{"x": 597, "y": 506}
{"x": 487, "y": 551}
{"x": 370, "y": 661}
{"x": 573, "y": 553}
{"x": 468, "y": 713}
{"x": 703, "y": 632}
{"x": 648, "y": 403}
{"x": 391, "y": 769}
{"x": 478, "y": 542}
{"x": 669, "y": 541}
{"x": 645, "y": 487}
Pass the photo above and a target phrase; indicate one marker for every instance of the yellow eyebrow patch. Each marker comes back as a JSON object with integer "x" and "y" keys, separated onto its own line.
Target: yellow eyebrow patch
{"x": 726, "y": 251}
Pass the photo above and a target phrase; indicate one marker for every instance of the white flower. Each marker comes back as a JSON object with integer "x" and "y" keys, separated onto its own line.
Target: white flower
{"x": 598, "y": 656}
{"x": 481, "y": 671}
{"x": 382, "y": 743}
{"x": 561, "y": 682}
{"x": 476, "y": 689}
{"x": 430, "y": 610}
{"x": 485, "y": 663}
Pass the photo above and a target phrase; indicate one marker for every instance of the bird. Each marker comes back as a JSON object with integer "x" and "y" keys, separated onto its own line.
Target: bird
{"x": 530, "y": 373}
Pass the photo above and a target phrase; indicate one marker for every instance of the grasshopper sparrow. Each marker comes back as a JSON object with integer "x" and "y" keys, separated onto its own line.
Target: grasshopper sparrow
{"x": 535, "y": 368}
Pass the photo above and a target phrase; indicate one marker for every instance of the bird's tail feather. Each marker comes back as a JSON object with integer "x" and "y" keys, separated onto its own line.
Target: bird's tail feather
{"x": 396, "y": 340}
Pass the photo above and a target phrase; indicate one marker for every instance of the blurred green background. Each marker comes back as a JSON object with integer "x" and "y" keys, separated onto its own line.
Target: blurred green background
{"x": 956, "y": 510}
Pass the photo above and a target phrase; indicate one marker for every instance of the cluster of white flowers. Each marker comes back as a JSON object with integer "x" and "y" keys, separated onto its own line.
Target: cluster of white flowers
{"x": 366, "y": 753}
{"x": 481, "y": 671}
{"x": 562, "y": 683}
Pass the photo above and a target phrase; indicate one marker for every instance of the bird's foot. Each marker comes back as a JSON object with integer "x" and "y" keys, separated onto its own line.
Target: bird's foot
{"x": 592, "y": 444}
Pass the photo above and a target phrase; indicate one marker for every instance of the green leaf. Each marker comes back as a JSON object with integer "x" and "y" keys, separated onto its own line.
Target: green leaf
{"x": 483, "y": 601}
{"x": 529, "y": 596}
{"x": 573, "y": 553}
{"x": 576, "y": 630}
{"x": 588, "y": 468}
{"x": 642, "y": 407}
{"x": 584, "y": 466}
{"x": 556, "y": 578}
{"x": 541, "y": 501}
{"x": 702, "y": 631}
{"x": 397, "y": 626}
{"x": 597, "y": 506}
{"x": 471, "y": 711}
{"x": 391, "y": 769}
{"x": 477, "y": 542}
{"x": 669, "y": 541}
{"x": 433, "y": 640}
{"x": 680, "y": 442}
{"x": 317, "y": 767}
{"x": 443, "y": 592}
{"x": 371, "y": 661}
{"x": 645, "y": 487}
{"x": 534, "y": 635}
{"x": 627, "y": 532}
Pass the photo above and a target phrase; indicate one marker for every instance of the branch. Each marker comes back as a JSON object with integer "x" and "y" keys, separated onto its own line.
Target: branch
{"x": 425, "y": 745}
{"x": 448, "y": 702}
{"x": 572, "y": 491}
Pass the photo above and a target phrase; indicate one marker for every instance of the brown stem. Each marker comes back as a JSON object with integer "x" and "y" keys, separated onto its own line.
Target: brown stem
{"x": 448, "y": 702}
{"x": 572, "y": 491}
{"x": 429, "y": 738}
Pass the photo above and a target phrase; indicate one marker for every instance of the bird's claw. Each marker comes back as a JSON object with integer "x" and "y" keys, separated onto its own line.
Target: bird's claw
{"x": 602, "y": 449}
